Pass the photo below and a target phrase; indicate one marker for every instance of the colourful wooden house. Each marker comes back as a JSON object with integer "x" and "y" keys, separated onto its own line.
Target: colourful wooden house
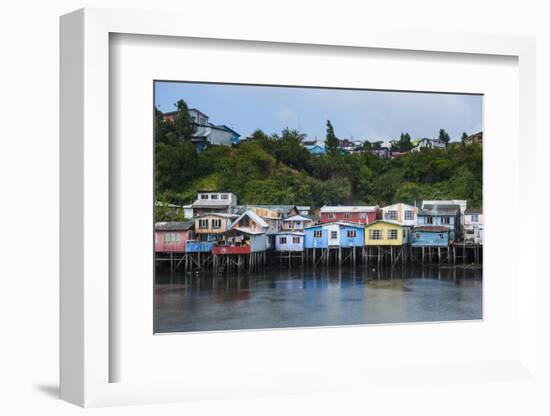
{"x": 212, "y": 227}
{"x": 296, "y": 223}
{"x": 403, "y": 213}
{"x": 386, "y": 233}
{"x": 171, "y": 237}
{"x": 447, "y": 216}
{"x": 335, "y": 234}
{"x": 430, "y": 236}
{"x": 289, "y": 241}
{"x": 247, "y": 234}
{"x": 355, "y": 214}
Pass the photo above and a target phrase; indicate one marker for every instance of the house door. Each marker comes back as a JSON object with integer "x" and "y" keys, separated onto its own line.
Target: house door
{"x": 334, "y": 237}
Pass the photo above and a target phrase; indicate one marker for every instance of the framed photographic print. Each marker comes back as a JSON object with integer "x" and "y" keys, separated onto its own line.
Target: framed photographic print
{"x": 230, "y": 203}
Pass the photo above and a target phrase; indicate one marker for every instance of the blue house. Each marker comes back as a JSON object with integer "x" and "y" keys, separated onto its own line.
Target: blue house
{"x": 334, "y": 234}
{"x": 289, "y": 241}
{"x": 440, "y": 215}
{"x": 430, "y": 236}
{"x": 316, "y": 149}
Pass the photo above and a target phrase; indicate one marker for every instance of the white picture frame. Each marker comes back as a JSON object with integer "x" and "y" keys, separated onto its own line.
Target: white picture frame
{"x": 86, "y": 331}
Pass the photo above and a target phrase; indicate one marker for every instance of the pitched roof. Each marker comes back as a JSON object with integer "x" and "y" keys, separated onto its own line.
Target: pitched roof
{"x": 218, "y": 214}
{"x": 344, "y": 208}
{"x": 473, "y": 211}
{"x": 298, "y": 218}
{"x": 174, "y": 225}
{"x": 392, "y": 222}
{"x": 253, "y": 216}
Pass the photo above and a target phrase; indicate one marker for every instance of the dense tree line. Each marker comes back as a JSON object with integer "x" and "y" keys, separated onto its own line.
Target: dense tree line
{"x": 277, "y": 169}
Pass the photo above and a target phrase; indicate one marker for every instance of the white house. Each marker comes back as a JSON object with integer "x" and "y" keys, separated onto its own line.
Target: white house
{"x": 402, "y": 213}
{"x": 214, "y": 201}
{"x": 473, "y": 226}
{"x": 429, "y": 144}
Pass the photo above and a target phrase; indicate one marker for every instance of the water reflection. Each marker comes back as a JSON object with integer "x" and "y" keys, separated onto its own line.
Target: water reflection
{"x": 279, "y": 298}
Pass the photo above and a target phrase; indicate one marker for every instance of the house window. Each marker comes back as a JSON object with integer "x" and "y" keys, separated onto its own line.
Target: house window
{"x": 445, "y": 220}
{"x": 392, "y": 234}
{"x": 225, "y": 196}
{"x": 282, "y": 240}
{"x": 334, "y": 235}
{"x": 296, "y": 240}
{"x": 347, "y": 215}
{"x": 317, "y": 234}
{"x": 475, "y": 217}
{"x": 417, "y": 236}
{"x": 214, "y": 196}
{"x": 204, "y": 196}
{"x": 203, "y": 224}
{"x": 332, "y": 216}
{"x": 441, "y": 236}
{"x": 428, "y": 220}
{"x": 352, "y": 233}
{"x": 391, "y": 215}
{"x": 375, "y": 234}
{"x": 216, "y": 224}
{"x": 409, "y": 215}
{"x": 298, "y": 224}
{"x": 362, "y": 215}
{"x": 171, "y": 237}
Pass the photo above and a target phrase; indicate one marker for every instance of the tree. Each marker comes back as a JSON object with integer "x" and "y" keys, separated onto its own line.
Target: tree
{"x": 331, "y": 142}
{"x": 464, "y": 137}
{"x": 183, "y": 123}
{"x": 444, "y": 136}
{"x": 404, "y": 143}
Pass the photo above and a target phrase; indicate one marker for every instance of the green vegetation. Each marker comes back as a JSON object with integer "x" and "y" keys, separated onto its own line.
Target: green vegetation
{"x": 277, "y": 169}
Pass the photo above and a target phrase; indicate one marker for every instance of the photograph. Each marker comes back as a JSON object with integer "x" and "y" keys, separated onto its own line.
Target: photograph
{"x": 298, "y": 207}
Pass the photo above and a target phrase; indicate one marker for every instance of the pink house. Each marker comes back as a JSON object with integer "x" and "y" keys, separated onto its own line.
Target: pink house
{"x": 356, "y": 214}
{"x": 170, "y": 237}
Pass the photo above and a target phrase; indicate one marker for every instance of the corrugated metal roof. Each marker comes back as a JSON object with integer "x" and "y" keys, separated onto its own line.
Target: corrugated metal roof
{"x": 297, "y": 218}
{"x": 342, "y": 208}
{"x": 254, "y": 217}
{"x": 174, "y": 225}
{"x": 388, "y": 222}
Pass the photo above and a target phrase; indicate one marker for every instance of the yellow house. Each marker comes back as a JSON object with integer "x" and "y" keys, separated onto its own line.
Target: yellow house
{"x": 386, "y": 233}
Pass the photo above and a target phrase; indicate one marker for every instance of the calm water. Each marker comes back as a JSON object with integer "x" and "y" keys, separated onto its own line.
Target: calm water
{"x": 279, "y": 298}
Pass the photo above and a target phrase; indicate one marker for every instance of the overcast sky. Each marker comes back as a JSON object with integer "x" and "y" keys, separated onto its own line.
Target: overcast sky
{"x": 357, "y": 114}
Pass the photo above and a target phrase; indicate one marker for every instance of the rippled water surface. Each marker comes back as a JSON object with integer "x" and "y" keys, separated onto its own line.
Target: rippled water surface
{"x": 280, "y": 298}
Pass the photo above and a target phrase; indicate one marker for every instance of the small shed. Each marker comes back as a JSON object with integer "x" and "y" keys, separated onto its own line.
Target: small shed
{"x": 386, "y": 233}
{"x": 171, "y": 237}
{"x": 289, "y": 241}
{"x": 430, "y": 236}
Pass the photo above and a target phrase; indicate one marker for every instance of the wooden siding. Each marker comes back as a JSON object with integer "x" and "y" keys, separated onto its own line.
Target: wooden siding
{"x": 178, "y": 246}
{"x": 357, "y": 217}
{"x": 341, "y": 239}
{"x": 290, "y": 245}
{"x": 199, "y": 246}
{"x": 384, "y": 228}
{"x": 421, "y": 238}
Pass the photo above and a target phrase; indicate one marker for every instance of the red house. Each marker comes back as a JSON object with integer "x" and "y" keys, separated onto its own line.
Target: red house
{"x": 170, "y": 237}
{"x": 356, "y": 214}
